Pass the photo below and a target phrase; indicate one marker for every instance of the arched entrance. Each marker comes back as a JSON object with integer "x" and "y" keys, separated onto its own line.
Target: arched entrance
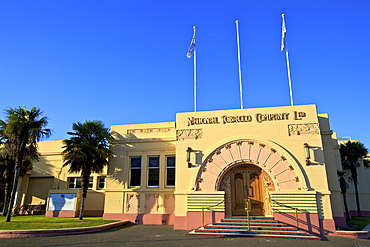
{"x": 271, "y": 168}
{"x": 242, "y": 182}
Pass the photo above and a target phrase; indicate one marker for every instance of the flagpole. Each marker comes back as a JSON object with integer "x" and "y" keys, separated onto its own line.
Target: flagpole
{"x": 290, "y": 81}
{"x": 240, "y": 72}
{"x": 284, "y": 46}
{"x": 195, "y": 74}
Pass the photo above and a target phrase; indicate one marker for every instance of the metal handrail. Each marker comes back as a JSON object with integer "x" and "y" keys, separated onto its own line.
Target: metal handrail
{"x": 247, "y": 209}
{"x": 296, "y": 210}
{"x": 209, "y": 207}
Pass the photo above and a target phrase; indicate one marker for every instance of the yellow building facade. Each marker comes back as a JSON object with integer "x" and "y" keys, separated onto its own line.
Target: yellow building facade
{"x": 270, "y": 160}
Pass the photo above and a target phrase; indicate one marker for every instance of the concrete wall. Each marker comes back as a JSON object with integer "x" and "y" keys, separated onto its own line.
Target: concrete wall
{"x": 142, "y": 204}
{"x": 48, "y": 173}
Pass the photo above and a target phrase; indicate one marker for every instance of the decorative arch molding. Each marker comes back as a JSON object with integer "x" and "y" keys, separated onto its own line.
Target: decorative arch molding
{"x": 283, "y": 169}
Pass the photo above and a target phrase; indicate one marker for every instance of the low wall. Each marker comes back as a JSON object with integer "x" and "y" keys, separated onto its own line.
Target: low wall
{"x": 145, "y": 219}
{"x": 194, "y": 220}
{"x": 308, "y": 222}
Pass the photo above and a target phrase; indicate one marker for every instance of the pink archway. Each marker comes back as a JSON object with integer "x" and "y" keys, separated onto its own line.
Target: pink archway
{"x": 284, "y": 171}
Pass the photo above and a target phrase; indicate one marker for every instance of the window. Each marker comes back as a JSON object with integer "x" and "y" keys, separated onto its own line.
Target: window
{"x": 101, "y": 183}
{"x": 135, "y": 167}
{"x": 170, "y": 166}
{"x": 153, "y": 171}
{"x": 75, "y": 183}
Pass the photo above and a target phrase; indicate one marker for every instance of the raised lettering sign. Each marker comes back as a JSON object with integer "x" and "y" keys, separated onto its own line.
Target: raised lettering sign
{"x": 259, "y": 118}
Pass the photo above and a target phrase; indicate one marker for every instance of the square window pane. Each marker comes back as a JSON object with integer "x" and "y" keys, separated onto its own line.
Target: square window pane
{"x": 171, "y": 161}
{"x": 71, "y": 183}
{"x": 154, "y": 161}
{"x": 153, "y": 177}
{"x": 170, "y": 177}
{"x": 135, "y": 177}
{"x": 135, "y": 162}
{"x": 101, "y": 182}
{"x": 78, "y": 183}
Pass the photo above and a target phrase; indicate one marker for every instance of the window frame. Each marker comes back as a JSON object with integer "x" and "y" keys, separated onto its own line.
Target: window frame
{"x": 137, "y": 173}
{"x": 98, "y": 183}
{"x": 170, "y": 167}
{"x": 152, "y": 169}
{"x": 90, "y": 187}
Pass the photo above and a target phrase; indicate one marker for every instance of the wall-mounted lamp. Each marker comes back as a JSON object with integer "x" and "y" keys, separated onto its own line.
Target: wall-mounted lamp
{"x": 307, "y": 154}
{"x": 188, "y": 151}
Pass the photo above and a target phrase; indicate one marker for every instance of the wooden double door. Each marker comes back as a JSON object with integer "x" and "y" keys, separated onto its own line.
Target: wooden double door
{"x": 246, "y": 183}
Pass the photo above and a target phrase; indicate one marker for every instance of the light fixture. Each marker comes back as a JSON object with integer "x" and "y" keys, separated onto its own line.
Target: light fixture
{"x": 307, "y": 153}
{"x": 188, "y": 151}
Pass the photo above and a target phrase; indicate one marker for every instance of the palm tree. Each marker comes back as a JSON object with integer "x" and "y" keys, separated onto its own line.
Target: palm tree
{"x": 87, "y": 151}
{"x": 343, "y": 187}
{"x": 7, "y": 175}
{"x": 3, "y": 182}
{"x": 20, "y": 133}
{"x": 7, "y": 164}
{"x": 350, "y": 153}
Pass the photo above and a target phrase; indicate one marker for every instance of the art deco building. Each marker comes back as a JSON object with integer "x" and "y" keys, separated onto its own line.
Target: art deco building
{"x": 275, "y": 160}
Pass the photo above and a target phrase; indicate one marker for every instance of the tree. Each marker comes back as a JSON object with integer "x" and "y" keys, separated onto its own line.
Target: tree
{"x": 7, "y": 164}
{"x": 20, "y": 132}
{"x": 7, "y": 175}
{"x": 350, "y": 153}
{"x": 87, "y": 151}
{"x": 343, "y": 187}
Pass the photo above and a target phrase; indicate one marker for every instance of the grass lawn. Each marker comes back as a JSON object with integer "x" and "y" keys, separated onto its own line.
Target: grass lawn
{"x": 28, "y": 222}
{"x": 356, "y": 224}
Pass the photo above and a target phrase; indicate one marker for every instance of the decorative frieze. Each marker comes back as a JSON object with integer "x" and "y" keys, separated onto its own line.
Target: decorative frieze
{"x": 279, "y": 167}
{"x": 133, "y": 203}
{"x": 303, "y": 129}
{"x": 151, "y": 203}
{"x": 188, "y": 134}
{"x": 150, "y": 130}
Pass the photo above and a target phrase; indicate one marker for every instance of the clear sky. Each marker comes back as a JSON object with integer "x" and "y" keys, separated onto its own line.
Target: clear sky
{"x": 125, "y": 62}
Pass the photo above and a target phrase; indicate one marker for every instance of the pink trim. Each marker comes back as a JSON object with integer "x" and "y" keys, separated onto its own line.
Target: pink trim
{"x": 180, "y": 223}
{"x": 113, "y": 216}
{"x": 191, "y": 221}
{"x": 274, "y": 164}
{"x": 93, "y": 212}
{"x": 308, "y": 222}
{"x": 353, "y": 234}
{"x": 145, "y": 219}
{"x": 328, "y": 226}
{"x": 340, "y": 221}
{"x": 363, "y": 213}
{"x": 57, "y": 232}
{"x": 194, "y": 219}
{"x": 71, "y": 214}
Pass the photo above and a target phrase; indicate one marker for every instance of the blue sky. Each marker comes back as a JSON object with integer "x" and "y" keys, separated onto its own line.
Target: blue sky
{"x": 125, "y": 62}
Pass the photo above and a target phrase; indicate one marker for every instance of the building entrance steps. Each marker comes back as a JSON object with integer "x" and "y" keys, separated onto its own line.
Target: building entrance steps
{"x": 260, "y": 226}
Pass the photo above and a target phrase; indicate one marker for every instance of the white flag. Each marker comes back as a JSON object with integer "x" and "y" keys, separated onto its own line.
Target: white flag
{"x": 192, "y": 46}
{"x": 283, "y": 34}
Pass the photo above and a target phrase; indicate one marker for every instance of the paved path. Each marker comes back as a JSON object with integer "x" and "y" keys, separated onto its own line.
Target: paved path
{"x": 148, "y": 235}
